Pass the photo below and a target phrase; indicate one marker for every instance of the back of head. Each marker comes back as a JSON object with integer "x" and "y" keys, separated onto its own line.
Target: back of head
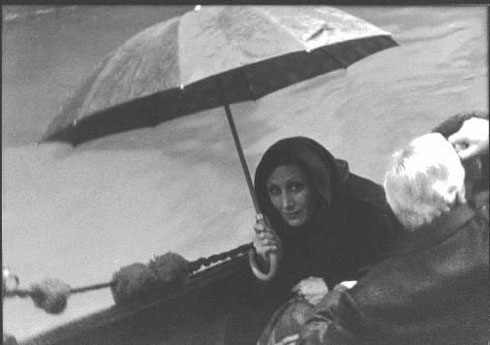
{"x": 425, "y": 180}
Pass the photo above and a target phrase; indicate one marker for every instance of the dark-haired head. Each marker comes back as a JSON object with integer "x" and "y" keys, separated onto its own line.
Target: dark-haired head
{"x": 294, "y": 180}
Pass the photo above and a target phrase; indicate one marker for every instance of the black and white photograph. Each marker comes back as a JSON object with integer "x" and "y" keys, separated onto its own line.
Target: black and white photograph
{"x": 245, "y": 174}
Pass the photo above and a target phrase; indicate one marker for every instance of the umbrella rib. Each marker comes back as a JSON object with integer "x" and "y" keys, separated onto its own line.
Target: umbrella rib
{"x": 271, "y": 18}
{"x": 323, "y": 49}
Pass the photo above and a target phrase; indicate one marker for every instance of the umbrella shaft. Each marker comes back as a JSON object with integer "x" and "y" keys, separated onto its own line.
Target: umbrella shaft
{"x": 241, "y": 156}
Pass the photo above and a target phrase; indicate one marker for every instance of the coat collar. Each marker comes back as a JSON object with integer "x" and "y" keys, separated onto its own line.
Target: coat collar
{"x": 437, "y": 231}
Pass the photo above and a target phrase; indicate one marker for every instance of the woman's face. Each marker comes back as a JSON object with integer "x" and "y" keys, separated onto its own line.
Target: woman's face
{"x": 291, "y": 194}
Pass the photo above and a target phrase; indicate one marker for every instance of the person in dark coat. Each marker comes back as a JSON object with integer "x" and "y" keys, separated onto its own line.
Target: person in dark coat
{"x": 432, "y": 288}
{"x": 327, "y": 222}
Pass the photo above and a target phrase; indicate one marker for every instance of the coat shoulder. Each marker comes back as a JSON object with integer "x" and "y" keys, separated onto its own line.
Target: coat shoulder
{"x": 363, "y": 190}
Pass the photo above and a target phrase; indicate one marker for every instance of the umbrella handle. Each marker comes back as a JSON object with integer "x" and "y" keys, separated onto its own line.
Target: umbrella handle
{"x": 273, "y": 260}
{"x": 273, "y": 263}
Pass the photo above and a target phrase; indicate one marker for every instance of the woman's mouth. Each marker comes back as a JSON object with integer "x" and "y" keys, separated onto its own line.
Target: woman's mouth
{"x": 292, "y": 215}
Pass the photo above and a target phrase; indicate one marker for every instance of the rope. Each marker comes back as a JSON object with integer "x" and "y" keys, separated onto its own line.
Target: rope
{"x": 28, "y": 293}
{"x": 194, "y": 266}
{"x": 230, "y": 254}
{"x": 18, "y": 293}
{"x": 91, "y": 287}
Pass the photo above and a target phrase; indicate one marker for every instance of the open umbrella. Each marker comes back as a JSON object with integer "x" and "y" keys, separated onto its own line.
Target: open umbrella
{"x": 210, "y": 57}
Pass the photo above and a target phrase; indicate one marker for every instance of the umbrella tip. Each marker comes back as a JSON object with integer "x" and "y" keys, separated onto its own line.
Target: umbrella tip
{"x": 197, "y": 8}
{"x": 43, "y": 139}
{"x": 48, "y": 136}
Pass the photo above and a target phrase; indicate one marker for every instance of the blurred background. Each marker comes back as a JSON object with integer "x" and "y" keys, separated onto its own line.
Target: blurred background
{"x": 78, "y": 214}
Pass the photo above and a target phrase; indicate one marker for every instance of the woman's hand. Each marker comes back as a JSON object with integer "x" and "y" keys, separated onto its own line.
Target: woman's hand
{"x": 267, "y": 251}
{"x": 266, "y": 241}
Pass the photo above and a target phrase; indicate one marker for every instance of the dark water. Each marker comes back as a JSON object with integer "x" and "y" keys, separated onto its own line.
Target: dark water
{"x": 78, "y": 215}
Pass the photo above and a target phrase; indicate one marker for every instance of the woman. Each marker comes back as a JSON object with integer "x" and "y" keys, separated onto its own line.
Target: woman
{"x": 329, "y": 222}
{"x": 326, "y": 222}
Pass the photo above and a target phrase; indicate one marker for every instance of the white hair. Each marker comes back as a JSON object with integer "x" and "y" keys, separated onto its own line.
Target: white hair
{"x": 424, "y": 181}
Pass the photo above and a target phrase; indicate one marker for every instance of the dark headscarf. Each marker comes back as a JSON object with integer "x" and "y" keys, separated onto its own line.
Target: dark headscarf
{"x": 325, "y": 173}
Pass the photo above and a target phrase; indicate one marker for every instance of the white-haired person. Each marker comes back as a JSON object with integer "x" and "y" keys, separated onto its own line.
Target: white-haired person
{"x": 432, "y": 288}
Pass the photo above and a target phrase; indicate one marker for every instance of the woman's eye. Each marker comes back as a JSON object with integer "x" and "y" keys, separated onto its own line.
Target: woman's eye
{"x": 273, "y": 190}
{"x": 296, "y": 186}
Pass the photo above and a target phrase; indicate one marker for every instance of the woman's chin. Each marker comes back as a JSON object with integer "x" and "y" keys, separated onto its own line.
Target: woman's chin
{"x": 295, "y": 223}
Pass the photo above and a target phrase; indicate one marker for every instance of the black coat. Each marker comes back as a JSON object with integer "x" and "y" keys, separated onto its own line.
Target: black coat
{"x": 357, "y": 229}
{"x": 433, "y": 289}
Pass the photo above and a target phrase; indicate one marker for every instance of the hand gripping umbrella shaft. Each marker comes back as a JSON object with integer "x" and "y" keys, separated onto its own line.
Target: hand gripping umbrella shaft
{"x": 273, "y": 259}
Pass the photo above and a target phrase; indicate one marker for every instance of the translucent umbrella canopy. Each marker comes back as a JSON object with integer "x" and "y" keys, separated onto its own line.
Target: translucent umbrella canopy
{"x": 208, "y": 57}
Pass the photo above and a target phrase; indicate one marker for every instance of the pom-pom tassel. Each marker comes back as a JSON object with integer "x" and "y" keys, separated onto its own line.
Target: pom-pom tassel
{"x": 134, "y": 284}
{"x": 50, "y": 295}
{"x": 172, "y": 271}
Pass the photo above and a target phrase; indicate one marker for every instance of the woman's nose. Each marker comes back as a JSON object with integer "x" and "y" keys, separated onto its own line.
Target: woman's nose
{"x": 287, "y": 201}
